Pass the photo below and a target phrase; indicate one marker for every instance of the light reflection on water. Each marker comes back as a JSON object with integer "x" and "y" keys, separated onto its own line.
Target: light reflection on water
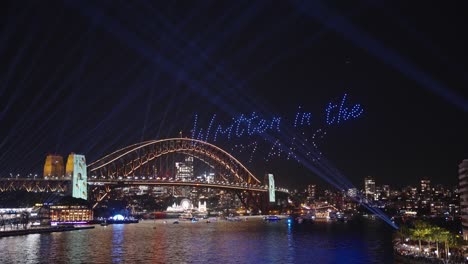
{"x": 252, "y": 241}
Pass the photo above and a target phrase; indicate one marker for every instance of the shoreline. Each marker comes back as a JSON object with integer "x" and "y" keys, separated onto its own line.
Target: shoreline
{"x": 23, "y": 232}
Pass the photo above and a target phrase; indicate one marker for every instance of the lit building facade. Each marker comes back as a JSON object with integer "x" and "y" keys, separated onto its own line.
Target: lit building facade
{"x": 463, "y": 191}
{"x": 425, "y": 186}
{"x": 311, "y": 191}
{"x": 352, "y": 192}
{"x": 386, "y": 191}
{"x": 70, "y": 213}
{"x": 53, "y": 166}
{"x": 207, "y": 177}
{"x": 369, "y": 188}
{"x": 184, "y": 170}
{"x": 426, "y": 194}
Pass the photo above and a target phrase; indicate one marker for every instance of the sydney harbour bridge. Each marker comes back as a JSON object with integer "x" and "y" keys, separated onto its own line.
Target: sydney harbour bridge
{"x": 131, "y": 166}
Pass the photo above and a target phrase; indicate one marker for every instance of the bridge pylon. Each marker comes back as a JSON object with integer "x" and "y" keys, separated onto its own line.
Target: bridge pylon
{"x": 76, "y": 171}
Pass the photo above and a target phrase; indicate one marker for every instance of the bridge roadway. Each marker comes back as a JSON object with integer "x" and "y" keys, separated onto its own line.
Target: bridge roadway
{"x": 34, "y": 184}
{"x": 60, "y": 184}
{"x": 221, "y": 185}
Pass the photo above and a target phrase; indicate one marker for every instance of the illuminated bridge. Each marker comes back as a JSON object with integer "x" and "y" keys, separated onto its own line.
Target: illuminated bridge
{"x": 132, "y": 166}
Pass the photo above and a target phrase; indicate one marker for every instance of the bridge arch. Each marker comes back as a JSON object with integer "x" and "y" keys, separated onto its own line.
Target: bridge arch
{"x": 132, "y": 160}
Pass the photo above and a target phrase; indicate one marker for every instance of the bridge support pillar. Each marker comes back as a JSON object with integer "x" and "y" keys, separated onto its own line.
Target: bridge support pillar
{"x": 76, "y": 170}
{"x": 270, "y": 197}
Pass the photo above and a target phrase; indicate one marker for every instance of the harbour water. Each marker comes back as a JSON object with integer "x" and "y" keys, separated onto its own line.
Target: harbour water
{"x": 251, "y": 241}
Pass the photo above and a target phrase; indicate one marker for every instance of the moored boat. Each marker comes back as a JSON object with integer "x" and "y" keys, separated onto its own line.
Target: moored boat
{"x": 271, "y": 218}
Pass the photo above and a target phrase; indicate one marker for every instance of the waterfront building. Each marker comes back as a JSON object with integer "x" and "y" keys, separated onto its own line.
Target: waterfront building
{"x": 70, "y": 213}
{"x": 463, "y": 191}
{"x": 325, "y": 211}
{"x": 184, "y": 205}
{"x": 202, "y": 207}
{"x": 8, "y": 214}
{"x": 53, "y": 166}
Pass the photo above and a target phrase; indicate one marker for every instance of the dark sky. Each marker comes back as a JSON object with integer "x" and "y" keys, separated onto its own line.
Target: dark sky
{"x": 93, "y": 76}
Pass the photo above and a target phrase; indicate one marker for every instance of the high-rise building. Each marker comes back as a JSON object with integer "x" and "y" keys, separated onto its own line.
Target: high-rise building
{"x": 386, "y": 191}
{"x": 311, "y": 191}
{"x": 425, "y": 193}
{"x": 207, "y": 177}
{"x": 463, "y": 191}
{"x": 352, "y": 192}
{"x": 53, "y": 166}
{"x": 425, "y": 186}
{"x": 185, "y": 169}
{"x": 369, "y": 187}
{"x": 210, "y": 177}
{"x": 378, "y": 193}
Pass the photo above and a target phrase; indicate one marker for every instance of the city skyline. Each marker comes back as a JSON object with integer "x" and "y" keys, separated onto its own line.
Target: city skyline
{"x": 92, "y": 78}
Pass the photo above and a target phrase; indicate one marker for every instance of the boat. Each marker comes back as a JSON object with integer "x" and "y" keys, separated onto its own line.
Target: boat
{"x": 186, "y": 216}
{"x": 233, "y": 218}
{"x": 271, "y": 218}
{"x": 104, "y": 223}
{"x": 126, "y": 221}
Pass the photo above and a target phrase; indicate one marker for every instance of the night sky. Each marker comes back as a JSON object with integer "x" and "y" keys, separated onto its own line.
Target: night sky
{"x": 91, "y": 77}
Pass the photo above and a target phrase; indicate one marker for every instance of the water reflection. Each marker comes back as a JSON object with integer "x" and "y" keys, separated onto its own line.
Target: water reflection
{"x": 222, "y": 242}
{"x": 117, "y": 243}
{"x": 291, "y": 244}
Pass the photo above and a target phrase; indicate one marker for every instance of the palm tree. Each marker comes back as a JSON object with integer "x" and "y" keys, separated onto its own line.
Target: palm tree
{"x": 437, "y": 236}
{"x": 455, "y": 242}
{"x": 420, "y": 232}
{"x": 403, "y": 233}
{"x": 445, "y": 237}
